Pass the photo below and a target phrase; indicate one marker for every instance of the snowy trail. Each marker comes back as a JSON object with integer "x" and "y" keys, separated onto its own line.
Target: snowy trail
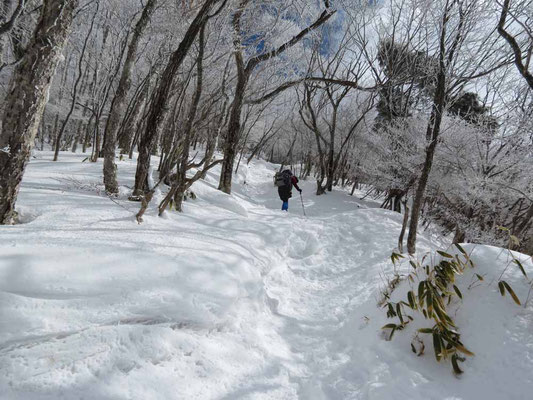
{"x": 316, "y": 300}
{"x": 321, "y": 282}
{"x": 230, "y": 300}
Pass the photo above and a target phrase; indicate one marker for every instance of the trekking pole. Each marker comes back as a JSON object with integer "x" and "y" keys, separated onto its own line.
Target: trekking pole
{"x": 303, "y": 208}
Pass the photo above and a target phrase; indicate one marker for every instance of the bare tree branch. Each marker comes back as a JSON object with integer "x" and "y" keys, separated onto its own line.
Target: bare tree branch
{"x": 7, "y": 26}
{"x": 514, "y": 45}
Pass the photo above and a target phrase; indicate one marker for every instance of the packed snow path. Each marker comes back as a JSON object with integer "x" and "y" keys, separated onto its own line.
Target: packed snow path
{"x": 231, "y": 300}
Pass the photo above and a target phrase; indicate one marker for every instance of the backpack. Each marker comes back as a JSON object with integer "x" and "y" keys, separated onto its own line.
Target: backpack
{"x": 283, "y": 178}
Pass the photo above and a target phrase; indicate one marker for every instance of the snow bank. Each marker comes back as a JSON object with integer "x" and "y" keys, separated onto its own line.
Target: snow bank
{"x": 493, "y": 327}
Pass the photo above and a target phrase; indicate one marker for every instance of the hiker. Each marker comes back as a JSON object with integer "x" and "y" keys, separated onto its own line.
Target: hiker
{"x": 285, "y": 181}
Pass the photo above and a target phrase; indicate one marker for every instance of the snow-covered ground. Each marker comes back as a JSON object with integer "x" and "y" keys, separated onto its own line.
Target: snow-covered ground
{"x": 232, "y": 299}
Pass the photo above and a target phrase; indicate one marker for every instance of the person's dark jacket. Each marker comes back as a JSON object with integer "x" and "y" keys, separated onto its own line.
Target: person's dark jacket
{"x": 285, "y": 192}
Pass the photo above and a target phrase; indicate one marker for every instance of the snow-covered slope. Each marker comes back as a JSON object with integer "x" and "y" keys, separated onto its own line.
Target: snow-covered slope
{"x": 230, "y": 300}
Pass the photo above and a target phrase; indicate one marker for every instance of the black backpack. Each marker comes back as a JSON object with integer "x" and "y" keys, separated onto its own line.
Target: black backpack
{"x": 283, "y": 178}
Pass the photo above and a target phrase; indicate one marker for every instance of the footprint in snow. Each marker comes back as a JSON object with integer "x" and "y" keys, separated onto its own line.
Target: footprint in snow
{"x": 303, "y": 244}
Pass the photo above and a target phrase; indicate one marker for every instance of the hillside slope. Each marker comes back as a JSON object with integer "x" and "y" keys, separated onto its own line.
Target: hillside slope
{"x": 232, "y": 299}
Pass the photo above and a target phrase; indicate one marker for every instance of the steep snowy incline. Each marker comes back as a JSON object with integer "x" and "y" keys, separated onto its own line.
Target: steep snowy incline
{"x": 230, "y": 300}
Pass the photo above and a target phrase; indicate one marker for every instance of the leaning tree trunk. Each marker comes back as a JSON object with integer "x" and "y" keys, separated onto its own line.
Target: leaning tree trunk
{"x": 118, "y": 104}
{"x": 180, "y": 185}
{"x": 160, "y": 100}
{"x": 127, "y": 131}
{"x": 183, "y": 163}
{"x": 26, "y": 99}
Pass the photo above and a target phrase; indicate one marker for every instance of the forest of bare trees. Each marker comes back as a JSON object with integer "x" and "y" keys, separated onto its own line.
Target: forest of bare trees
{"x": 425, "y": 105}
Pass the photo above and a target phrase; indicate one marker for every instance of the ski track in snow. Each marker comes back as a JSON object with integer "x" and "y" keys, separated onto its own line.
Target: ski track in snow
{"x": 230, "y": 300}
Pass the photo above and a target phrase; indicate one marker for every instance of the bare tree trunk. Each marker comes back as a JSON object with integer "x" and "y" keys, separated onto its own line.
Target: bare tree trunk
{"x": 434, "y": 127}
{"x": 180, "y": 185}
{"x": 234, "y": 127}
{"x": 459, "y": 236}
{"x": 27, "y": 97}
{"x": 103, "y": 101}
{"x": 353, "y": 187}
{"x": 331, "y": 168}
{"x": 243, "y": 76}
{"x": 445, "y": 59}
{"x": 75, "y": 89}
{"x": 45, "y": 128}
{"x": 432, "y": 134}
{"x": 139, "y": 128}
{"x": 53, "y": 133}
{"x": 125, "y": 138}
{"x": 234, "y": 124}
{"x": 119, "y": 101}
{"x": 404, "y": 225}
{"x": 96, "y": 141}
{"x": 88, "y": 130}
{"x": 161, "y": 97}
{"x": 80, "y": 133}
{"x": 77, "y": 136}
